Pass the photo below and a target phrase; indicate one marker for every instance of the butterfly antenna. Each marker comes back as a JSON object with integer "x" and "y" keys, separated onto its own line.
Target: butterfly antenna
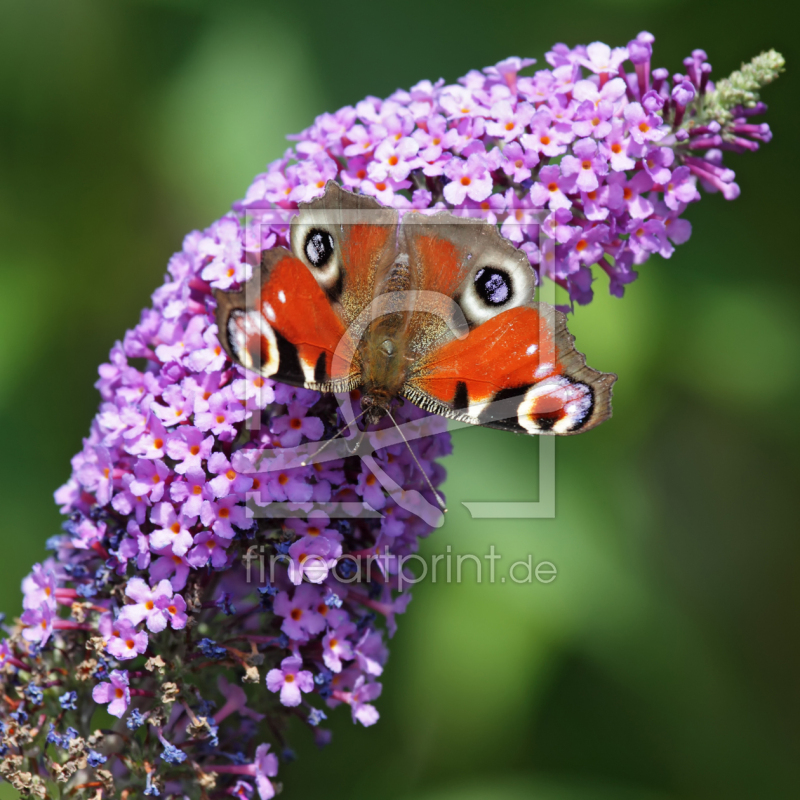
{"x": 305, "y": 462}
{"x": 436, "y": 494}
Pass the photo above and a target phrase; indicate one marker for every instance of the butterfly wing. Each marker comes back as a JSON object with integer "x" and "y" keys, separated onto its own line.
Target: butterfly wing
{"x": 516, "y": 367}
{"x": 293, "y": 320}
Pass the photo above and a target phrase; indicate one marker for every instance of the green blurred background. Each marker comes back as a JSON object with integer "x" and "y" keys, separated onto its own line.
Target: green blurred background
{"x": 663, "y": 661}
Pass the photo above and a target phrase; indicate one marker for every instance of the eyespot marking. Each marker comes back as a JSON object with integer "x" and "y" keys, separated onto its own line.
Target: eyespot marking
{"x": 555, "y": 405}
{"x": 318, "y": 247}
{"x": 493, "y": 286}
{"x": 253, "y": 342}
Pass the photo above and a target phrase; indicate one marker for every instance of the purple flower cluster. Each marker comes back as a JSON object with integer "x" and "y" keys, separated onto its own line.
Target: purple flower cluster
{"x": 588, "y": 164}
{"x": 187, "y": 484}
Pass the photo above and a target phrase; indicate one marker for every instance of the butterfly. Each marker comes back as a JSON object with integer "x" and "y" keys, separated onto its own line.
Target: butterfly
{"x": 433, "y": 308}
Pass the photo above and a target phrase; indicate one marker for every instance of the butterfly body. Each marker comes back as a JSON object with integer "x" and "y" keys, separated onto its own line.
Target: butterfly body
{"x": 434, "y": 308}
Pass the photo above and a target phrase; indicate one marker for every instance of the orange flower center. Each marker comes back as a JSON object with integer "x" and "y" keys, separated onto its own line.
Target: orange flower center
{"x": 370, "y": 480}
{"x": 586, "y": 164}
{"x": 627, "y": 193}
{"x": 582, "y": 245}
{"x": 616, "y": 148}
{"x": 197, "y": 489}
{"x": 509, "y": 126}
{"x": 175, "y": 527}
{"x": 295, "y": 424}
{"x": 544, "y": 139}
{"x": 194, "y": 449}
{"x": 296, "y": 614}
{"x": 393, "y": 161}
{"x": 230, "y": 474}
{"x": 283, "y": 479}
{"x": 224, "y": 513}
{"x": 289, "y": 678}
{"x": 552, "y": 187}
{"x": 466, "y": 181}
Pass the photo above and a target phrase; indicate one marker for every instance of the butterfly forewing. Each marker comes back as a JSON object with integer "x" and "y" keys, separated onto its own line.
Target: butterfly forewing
{"x": 283, "y": 326}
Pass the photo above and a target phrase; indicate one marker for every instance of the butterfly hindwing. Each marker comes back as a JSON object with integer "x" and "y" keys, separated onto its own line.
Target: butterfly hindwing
{"x": 518, "y": 371}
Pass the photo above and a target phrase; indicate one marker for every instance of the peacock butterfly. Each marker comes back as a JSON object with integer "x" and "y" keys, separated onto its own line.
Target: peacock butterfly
{"x": 433, "y": 308}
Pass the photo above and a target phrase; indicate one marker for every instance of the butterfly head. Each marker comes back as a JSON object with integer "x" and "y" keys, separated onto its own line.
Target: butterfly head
{"x": 375, "y": 406}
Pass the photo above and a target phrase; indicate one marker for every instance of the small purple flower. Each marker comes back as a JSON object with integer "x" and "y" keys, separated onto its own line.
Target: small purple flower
{"x": 115, "y": 692}
{"x": 173, "y": 532}
{"x": 547, "y": 137}
{"x": 149, "y": 480}
{"x": 585, "y": 166}
{"x": 643, "y": 127}
{"x": 39, "y": 587}
{"x": 224, "y": 249}
{"x": 301, "y": 619}
{"x": 124, "y": 641}
{"x": 360, "y": 706}
{"x": 191, "y": 492}
{"x": 551, "y": 189}
{"x": 336, "y": 647}
{"x": 508, "y": 123}
{"x": 468, "y": 178}
{"x": 518, "y": 163}
{"x": 38, "y": 624}
{"x": 657, "y": 162}
{"x": 224, "y": 411}
{"x": 394, "y": 159}
{"x": 290, "y": 680}
{"x": 296, "y": 424}
{"x": 310, "y": 559}
{"x": 680, "y": 188}
{"x": 157, "y": 606}
{"x": 266, "y": 767}
{"x": 600, "y": 58}
{"x": 223, "y": 514}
